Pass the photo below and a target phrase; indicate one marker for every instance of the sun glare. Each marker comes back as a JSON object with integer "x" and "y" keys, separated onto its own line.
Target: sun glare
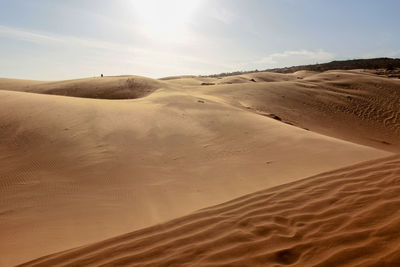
{"x": 164, "y": 20}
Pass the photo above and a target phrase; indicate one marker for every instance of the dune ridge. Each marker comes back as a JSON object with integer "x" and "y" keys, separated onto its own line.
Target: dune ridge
{"x": 108, "y": 87}
{"x": 355, "y": 105}
{"x": 343, "y": 217}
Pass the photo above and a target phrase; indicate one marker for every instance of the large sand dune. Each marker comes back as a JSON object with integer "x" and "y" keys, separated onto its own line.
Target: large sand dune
{"x": 347, "y": 217}
{"x": 75, "y": 170}
{"x": 118, "y": 87}
{"x": 353, "y": 105}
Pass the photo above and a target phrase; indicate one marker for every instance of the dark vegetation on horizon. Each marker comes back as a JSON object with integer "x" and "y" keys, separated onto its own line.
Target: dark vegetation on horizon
{"x": 373, "y": 63}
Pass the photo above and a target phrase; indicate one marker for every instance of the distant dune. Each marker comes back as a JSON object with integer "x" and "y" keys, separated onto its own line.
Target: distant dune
{"x": 347, "y": 217}
{"x": 78, "y": 166}
{"x": 115, "y": 87}
{"x": 357, "y": 105}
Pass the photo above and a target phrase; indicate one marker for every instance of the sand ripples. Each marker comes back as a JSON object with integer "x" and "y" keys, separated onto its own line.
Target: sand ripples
{"x": 345, "y": 217}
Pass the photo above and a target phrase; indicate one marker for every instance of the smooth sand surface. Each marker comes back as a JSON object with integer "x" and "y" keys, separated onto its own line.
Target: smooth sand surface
{"x": 347, "y": 217}
{"x": 75, "y": 170}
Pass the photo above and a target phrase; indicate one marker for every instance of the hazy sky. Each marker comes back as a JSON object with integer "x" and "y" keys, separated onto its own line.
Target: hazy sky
{"x": 51, "y": 40}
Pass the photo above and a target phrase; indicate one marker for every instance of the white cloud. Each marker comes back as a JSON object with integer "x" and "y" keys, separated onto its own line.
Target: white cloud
{"x": 391, "y": 53}
{"x": 49, "y": 38}
{"x": 150, "y": 58}
{"x": 117, "y": 58}
{"x": 221, "y": 14}
{"x": 25, "y": 35}
{"x": 275, "y": 58}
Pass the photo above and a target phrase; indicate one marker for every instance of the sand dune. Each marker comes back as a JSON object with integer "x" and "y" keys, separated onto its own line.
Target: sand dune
{"x": 115, "y": 87}
{"x": 352, "y": 105}
{"x": 358, "y": 105}
{"x": 75, "y": 170}
{"x": 17, "y": 84}
{"x": 344, "y": 217}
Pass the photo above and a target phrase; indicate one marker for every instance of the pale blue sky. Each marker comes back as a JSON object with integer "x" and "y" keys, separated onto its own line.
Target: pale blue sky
{"x": 51, "y": 40}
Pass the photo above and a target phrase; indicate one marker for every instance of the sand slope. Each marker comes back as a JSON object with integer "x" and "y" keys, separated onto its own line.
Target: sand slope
{"x": 114, "y": 87}
{"x": 353, "y": 105}
{"x": 74, "y": 171}
{"x": 347, "y": 217}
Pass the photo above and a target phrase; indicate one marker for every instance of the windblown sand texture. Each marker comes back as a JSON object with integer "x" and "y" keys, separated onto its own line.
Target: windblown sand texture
{"x": 344, "y": 217}
{"x": 87, "y": 160}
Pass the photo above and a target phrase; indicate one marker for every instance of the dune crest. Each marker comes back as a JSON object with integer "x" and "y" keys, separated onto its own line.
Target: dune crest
{"x": 355, "y": 105}
{"x": 111, "y": 87}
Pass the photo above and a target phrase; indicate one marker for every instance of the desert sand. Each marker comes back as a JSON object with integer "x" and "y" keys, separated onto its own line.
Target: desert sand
{"x": 347, "y": 217}
{"x": 86, "y": 160}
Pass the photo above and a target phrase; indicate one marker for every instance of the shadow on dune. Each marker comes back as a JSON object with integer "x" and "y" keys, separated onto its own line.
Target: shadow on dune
{"x": 122, "y": 87}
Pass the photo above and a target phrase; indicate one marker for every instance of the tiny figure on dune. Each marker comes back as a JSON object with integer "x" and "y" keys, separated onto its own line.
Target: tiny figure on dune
{"x": 102, "y": 75}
